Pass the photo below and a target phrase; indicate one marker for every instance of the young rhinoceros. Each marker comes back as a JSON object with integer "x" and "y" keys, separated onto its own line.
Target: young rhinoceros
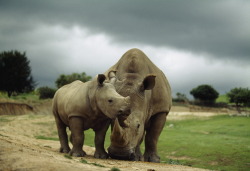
{"x": 81, "y": 106}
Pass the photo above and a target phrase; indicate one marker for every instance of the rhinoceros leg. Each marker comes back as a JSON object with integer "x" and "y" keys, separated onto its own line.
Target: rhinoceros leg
{"x": 99, "y": 141}
{"x": 63, "y": 137}
{"x": 77, "y": 136}
{"x": 157, "y": 123}
{"x": 138, "y": 154}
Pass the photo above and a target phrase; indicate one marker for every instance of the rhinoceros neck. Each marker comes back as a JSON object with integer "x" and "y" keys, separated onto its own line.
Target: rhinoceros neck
{"x": 91, "y": 94}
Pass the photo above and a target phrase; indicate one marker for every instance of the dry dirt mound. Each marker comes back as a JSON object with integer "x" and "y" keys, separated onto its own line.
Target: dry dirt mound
{"x": 21, "y": 150}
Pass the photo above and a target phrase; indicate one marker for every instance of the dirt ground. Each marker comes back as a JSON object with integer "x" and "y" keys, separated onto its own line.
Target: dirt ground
{"x": 21, "y": 150}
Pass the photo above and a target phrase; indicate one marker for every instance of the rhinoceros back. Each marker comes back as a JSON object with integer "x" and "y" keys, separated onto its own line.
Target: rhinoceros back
{"x": 71, "y": 100}
{"x": 135, "y": 61}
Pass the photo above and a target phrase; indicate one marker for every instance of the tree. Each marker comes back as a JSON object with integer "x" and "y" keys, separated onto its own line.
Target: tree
{"x": 66, "y": 79}
{"x": 239, "y": 96}
{"x": 46, "y": 92}
{"x": 15, "y": 73}
{"x": 181, "y": 98}
{"x": 206, "y": 94}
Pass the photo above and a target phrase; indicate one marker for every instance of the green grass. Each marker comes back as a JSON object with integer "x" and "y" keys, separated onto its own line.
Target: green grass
{"x": 94, "y": 164}
{"x": 32, "y": 96}
{"x": 218, "y": 143}
{"x": 114, "y": 169}
{"x": 90, "y": 137}
{"x": 41, "y": 137}
{"x": 215, "y": 143}
{"x": 222, "y": 99}
{"x": 67, "y": 156}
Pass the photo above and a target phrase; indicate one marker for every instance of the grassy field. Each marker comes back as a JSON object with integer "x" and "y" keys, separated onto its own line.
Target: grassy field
{"x": 218, "y": 143}
{"x": 222, "y": 99}
{"x": 24, "y": 97}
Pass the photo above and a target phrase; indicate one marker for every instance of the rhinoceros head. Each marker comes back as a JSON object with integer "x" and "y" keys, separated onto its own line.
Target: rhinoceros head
{"x": 125, "y": 140}
{"x": 109, "y": 101}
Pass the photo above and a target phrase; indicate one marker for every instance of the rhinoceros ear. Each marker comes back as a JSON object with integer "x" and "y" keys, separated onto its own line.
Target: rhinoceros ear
{"x": 148, "y": 82}
{"x": 100, "y": 79}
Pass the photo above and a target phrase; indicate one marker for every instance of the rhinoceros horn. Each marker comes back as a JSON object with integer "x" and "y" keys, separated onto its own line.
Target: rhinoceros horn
{"x": 118, "y": 134}
{"x": 112, "y": 76}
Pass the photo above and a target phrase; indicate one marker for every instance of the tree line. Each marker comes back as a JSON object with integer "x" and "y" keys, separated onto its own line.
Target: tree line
{"x": 15, "y": 74}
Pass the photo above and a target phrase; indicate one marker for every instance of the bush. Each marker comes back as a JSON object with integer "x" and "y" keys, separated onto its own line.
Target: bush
{"x": 66, "y": 79}
{"x": 205, "y": 94}
{"x": 239, "y": 96}
{"x": 46, "y": 93}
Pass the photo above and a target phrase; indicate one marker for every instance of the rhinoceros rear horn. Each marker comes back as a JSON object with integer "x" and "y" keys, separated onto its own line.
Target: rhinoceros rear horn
{"x": 100, "y": 79}
{"x": 112, "y": 76}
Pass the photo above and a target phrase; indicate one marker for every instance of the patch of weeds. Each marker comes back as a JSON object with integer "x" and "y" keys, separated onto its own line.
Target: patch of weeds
{"x": 41, "y": 137}
{"x": 114, "y": 169}
{"x": 83, "y": 161}
{"x": 3, "y": 135}
{"x": 43, "y": 123}
{"x": 174, "y": 162}
{"x": 94, "y": 164}
{"x": 67, "y": 156}
{"x": 4, "y": 120}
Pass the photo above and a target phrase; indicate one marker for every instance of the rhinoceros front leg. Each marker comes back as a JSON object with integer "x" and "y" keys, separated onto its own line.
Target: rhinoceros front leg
{"x": 157, "y": 123}
{"x": 99, "y": 141}
{"x": 77, "y": 136}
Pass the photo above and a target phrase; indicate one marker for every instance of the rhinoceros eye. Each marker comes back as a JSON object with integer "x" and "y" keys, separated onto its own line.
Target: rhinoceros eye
{"x": 138, "y": 126}
{"x": 110, "y": 100}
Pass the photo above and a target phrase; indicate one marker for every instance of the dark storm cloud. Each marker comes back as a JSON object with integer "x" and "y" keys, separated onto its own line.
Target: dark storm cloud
{"x": 217, "y": 28}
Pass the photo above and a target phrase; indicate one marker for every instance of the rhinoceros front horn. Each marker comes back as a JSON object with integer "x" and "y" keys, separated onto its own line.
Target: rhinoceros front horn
{"x": 118, "y": 134}
{"x": 122, "y": 119}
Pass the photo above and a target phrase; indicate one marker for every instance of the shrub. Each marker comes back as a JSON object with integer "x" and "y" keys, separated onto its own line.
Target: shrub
{"x": 46, "y": 92}
{"x": 205, "y": 94}
{"x": 239, "y": 96}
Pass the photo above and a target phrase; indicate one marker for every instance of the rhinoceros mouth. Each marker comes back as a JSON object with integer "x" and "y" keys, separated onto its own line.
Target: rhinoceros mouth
{"x": 121, "y": 154}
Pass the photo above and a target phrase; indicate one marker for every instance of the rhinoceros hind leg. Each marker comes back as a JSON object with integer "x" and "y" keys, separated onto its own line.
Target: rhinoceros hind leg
{"x": 153, "y": 132}
{"x": 63, "y": 137}
{"x": 77, "y": 136}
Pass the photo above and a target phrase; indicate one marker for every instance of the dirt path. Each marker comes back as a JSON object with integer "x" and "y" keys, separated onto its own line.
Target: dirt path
{"x": 21, "y": 150}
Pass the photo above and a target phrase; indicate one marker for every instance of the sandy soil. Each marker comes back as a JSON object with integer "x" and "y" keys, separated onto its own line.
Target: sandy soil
{"x": 20, "y": 150}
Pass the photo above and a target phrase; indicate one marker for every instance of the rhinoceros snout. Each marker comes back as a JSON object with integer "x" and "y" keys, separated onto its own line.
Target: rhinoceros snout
{"x": 121, "y": 154}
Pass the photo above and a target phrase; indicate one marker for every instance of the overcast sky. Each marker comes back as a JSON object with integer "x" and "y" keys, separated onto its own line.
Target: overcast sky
{"x": 193, "y": 42}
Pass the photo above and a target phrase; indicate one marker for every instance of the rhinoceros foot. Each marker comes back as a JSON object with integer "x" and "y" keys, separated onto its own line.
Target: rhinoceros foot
{"x": 101, "y": 155}
{"x": 64, "y": 149}
{"x": 77, "y": 153}
{"x": 151, "y": 157}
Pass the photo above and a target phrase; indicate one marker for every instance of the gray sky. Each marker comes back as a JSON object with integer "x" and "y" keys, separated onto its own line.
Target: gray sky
{"x": 193, "y": 42}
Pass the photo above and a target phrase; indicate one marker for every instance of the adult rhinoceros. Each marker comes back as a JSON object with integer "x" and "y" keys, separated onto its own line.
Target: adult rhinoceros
{"x": 136, "y": 76}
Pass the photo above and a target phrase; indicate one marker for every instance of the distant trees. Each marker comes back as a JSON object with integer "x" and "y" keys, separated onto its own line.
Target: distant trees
{"x": 180, "y": 97}
{"x": 66, "y": 79}
{"x": 239, "y": 96}
{"x": 15, "y": 73}
{"x": 205, "y": 94}
{"x": 46, "y": 92}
